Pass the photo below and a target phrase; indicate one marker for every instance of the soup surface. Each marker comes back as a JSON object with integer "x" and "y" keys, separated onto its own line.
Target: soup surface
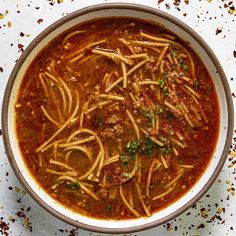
{"x": 117, "y": 118}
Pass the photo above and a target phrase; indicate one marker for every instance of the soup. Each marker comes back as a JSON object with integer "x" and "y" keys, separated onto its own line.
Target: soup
{"x": 117, "y": 118}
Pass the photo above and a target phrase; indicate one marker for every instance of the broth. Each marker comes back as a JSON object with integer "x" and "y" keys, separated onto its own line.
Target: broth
{"x": 117, "y": 118}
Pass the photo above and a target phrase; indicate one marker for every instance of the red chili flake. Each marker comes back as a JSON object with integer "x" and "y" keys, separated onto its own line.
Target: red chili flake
{"x": 22, "y": 34}
{"x": 39, "y": 21}
{"x": 201, "y": 226}
{"x": 20, "y": 214}
{"x": 160, "y": 1}
{"x": 186, "y": 2}
{"x": 4, "y": 227}
{"x": 1, "y": 70}
{"x": 21, "y": 47}
{"x": 218, "y": 31}
{"x": 234, "y": 53}
{"x": 19, "y": 200}
{"x": 185, "y": 14}
{"x": 176, "y": 2}
{"x": 73, "y": 232}
{"x": 28, "y": 209}
{"x": 167, "y": 6}
{"x": 233, "y": 95}
{"x": 10, "y": 188}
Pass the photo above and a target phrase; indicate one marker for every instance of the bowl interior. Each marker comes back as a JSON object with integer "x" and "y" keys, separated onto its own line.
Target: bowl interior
{"x": 172, "y": 210}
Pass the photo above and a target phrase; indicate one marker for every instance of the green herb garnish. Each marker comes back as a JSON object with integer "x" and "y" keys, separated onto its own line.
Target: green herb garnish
{"x": 161, "y": 82}
{"x": 173, "y": 53}
{"x": 132, "y": 147}
{"x": 159, "y": 110}
{"x": 74, "y": 186}
{"x": 162, "y": 138}
{"x": 196, "y": 84}
{"x": 148, "y": 114}
{"x": 182, "y": 65}
{"x": 148, "y": 146}
{"x": 127, "y": 175}
{"x": 166, "y": 150}
{"x": 165, "y": 91}
{"x": 109, "y": 207}
{"x": 98, "y": 121}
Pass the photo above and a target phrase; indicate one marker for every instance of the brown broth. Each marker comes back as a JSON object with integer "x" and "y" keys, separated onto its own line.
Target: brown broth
{"x": 188, "y": 129}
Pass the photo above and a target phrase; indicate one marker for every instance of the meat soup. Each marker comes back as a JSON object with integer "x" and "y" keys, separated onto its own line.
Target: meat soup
{"x": 117, "y": 118}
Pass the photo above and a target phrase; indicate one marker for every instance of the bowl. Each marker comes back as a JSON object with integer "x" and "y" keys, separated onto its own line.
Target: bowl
{"x": 176, "y": 208}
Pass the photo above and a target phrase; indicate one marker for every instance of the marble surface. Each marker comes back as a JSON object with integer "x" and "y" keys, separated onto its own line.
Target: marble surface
{"x": 22, "y": 20}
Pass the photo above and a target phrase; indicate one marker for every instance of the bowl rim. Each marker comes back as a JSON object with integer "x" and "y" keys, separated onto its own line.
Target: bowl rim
{"x": 58, "y": 23}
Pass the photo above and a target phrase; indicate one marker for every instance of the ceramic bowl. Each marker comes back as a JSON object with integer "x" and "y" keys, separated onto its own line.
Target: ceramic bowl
{"x": 219, "y": 155}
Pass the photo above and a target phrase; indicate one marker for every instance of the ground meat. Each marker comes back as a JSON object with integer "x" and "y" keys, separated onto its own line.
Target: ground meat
{"x": 103, "y": 193}
{"x": 108, "y": 133}
{"x": 167, "y": 129}
{"x": 118, "y": 129}
{"x": 150, "y": 66}
{"x": 113, "y": 119}
{"x": 137, "y": 49}
{"x": 112, "y": 132}
{"x": 117, "y": 176}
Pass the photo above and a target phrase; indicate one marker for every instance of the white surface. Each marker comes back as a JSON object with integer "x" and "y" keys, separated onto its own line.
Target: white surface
{"x": 223, "y": 44}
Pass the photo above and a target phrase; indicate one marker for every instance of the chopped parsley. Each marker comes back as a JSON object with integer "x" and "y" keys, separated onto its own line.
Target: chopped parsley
{"x": 159, "y": 110}
{"x": 169, "y": 115}
{"x": 165, "y": 91}
{"x": 127, "y": 175}
{"x": 182, "y": 65}
{"x": 74, "y": 186}
{"x": 166, "y": 150}
{"x": 173, "y": 53}
{"x": 162, "y": 138}
{"x": 98, "y": 122}
{"x": 196, "y": 84}
{"x": 149, "y": 115}
{"x": 148, "y": 146}
{"x": 131, "y": 148}
{"x": 109, "y": 207}
{"x": 161, "y": 82}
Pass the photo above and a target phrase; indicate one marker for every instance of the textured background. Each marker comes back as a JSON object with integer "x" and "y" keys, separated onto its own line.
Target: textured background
{"x": 22, "y": 20}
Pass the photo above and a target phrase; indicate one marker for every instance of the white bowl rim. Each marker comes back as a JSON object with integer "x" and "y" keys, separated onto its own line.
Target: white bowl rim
{"x": 55, "y": 25}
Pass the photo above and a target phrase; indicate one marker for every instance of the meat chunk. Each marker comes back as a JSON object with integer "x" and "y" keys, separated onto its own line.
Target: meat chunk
{"x": 112, "y": 132}
{"x": 113, "y": 119}
{"x": 108, "y": 133}
{"x": 118, "y": 129}
{"x": 103, "y": 193}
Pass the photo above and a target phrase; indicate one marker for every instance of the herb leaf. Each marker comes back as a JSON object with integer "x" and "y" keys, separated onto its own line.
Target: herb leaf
{"x": 159, "y": 110}
{"x": 148, "y": 146}
{"x": 182, "y": 65}
{"x": 132, "y": 147}
{"x": 74, "y": 186}
{"x": 161, "y": 82}
{"x": 148, "y": 114}
{"x": 173, "y": 53}
{"x": 166, "y": 150}
{"x": 109, "y": 207}
{"x": 98, "y": 122}
{"x": 127, "y": 175}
